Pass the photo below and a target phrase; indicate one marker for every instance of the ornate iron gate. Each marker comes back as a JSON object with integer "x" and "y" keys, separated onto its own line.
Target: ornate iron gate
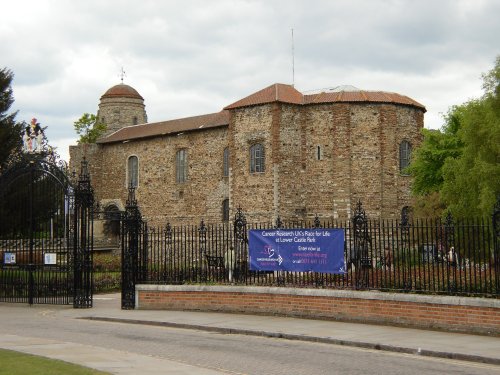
{"x": 45, "y": 233}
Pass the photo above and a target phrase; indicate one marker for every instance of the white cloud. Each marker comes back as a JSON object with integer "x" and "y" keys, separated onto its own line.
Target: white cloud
{"x": 193, "y": 57}
{"x": 61, "y": 146}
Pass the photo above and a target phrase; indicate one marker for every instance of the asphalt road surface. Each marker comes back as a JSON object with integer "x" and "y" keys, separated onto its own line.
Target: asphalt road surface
{"x": 231, "y": 354}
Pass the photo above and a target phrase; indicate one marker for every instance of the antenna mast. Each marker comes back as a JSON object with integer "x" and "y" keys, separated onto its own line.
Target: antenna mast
{"x": 293, "y": 61}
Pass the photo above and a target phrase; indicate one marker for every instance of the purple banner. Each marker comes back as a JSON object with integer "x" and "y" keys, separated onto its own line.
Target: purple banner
{"x": 300, "y": 250}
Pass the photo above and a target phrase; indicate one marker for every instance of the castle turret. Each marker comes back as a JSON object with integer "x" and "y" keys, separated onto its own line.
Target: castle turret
{"x": 121, "y": 106}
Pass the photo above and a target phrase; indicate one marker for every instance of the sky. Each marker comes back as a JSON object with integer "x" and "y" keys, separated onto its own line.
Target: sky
{"x": 191, "y": 57}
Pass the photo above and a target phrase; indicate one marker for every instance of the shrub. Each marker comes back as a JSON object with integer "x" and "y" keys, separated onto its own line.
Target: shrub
{"x": 107, "y": 263}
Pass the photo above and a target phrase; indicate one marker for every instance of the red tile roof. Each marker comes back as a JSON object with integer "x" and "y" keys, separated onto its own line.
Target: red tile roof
{"x": 361, "y": 96}
{"x": 211, "y": 120}
{"x": 274, "y": 93}
{"x": 121, "y": 91}
{"x": 288, "y": 94}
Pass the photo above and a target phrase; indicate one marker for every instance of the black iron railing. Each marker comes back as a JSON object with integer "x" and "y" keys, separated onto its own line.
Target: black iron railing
{"x": 458, "y": 257}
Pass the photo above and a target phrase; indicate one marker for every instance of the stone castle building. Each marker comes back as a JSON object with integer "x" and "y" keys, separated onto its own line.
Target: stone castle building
{"x": 277, "y": 152}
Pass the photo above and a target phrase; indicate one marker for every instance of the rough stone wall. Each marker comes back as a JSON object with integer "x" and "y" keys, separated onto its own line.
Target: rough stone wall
{"x": 389, "y": 154}
{"x": 358, "y": 158}
{"x": 117, "y": 113}
{"x": 93, "y": 155}
{"x": 253, "y": 192}
{"x": 290, "y": 181}
{"x": 411, "y": 123}
{"x": 341, "y": 162}
{"x": 319, "y": 173}
{"x": 321, "y": 159}
{"x": 160, "y": 197}
{"x": 365, "y": 158}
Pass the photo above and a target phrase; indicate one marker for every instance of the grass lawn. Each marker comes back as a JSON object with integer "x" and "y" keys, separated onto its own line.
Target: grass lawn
{"x": 15, "y": 363}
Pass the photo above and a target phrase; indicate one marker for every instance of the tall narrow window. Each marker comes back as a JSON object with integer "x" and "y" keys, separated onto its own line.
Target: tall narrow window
{"x": 319, "y": 153}
{"x": 404, "y": 156}
{"x": 225, "y": 164}
{"x": 257, "y": 158}
{"x": 135, "y": 121}
{"x": 225, "y": 210}
{"x": 405, "y": 214}
{"x": 132, "y": 171}
{"x": 181, "y": 166}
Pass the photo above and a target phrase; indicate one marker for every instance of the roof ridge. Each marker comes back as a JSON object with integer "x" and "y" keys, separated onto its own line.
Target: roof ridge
{"x": 185, "y": 118}
{"x": 193, "y": 123}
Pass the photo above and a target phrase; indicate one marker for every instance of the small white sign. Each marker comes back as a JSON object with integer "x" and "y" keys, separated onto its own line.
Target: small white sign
{"x": 9, "y": 258}
{"x": 50, "y": 258}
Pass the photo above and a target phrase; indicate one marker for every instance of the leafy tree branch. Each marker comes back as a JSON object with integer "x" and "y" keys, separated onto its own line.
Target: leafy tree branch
{"x": 89, "y": 128}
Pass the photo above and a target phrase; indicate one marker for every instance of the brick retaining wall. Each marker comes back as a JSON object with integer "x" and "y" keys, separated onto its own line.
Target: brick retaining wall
{"x": 460, "y": 314}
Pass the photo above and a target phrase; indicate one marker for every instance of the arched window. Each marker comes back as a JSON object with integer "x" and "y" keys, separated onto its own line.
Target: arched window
{"x": 404, "y": 156}
{"x": 133, "y": 171}
{"x": 257, "y": 158}
{"x": 225, "y": 164}
{"x": 135, "y": 121}
{"x": 225, "y": 210}
{"x": 181, "y": 166}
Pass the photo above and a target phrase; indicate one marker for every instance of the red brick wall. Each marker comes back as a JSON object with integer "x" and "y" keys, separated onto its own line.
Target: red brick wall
{"x": 446, "y": 313}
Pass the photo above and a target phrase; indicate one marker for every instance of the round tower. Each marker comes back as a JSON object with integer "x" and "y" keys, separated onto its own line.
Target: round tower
{"x": 121, "y": 106}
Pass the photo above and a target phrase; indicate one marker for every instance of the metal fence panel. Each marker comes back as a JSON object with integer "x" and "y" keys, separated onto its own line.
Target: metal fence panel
{"x": 422, "y": 256}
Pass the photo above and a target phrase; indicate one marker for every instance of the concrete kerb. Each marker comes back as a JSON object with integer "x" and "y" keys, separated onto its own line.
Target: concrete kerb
{"x": 324, "y": 340}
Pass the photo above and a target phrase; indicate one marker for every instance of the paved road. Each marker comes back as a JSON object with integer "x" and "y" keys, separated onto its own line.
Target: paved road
{"x": 226, "y": 354}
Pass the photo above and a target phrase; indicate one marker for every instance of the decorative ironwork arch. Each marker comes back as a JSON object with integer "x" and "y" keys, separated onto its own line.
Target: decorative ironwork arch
{"x": 47, "y": 231}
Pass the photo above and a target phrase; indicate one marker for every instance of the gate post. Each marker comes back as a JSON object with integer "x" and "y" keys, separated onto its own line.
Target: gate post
{"x": 496, "y": 243}
{"x": 31, "y": 229}
{"x": 280, "y": 275}
{"x": 361, "y": 242}
{"x": 83, "y": 240}
{"x": 237, "y": 261}
{"x": 130, "y": 250}
{"x": 405, "y": 248}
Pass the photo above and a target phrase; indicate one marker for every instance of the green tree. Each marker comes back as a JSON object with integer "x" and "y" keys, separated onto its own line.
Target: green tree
{"x": 437, "y": 147}
{"x": 10, "y": 131}
{"x": 89, "y": 128}
{"x": 460, "y": 164}
{"x": 472, "y": 182}
{"x": 428, "y": 162}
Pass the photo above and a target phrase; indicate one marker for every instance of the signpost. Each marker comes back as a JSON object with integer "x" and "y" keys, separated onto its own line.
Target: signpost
{"x": 300, "y": 250}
